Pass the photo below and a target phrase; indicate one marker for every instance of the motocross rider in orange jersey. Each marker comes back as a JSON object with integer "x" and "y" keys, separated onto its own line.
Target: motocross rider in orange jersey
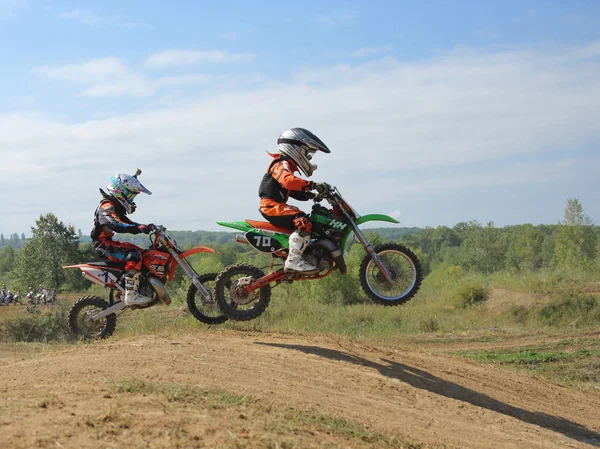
{"x": 110, "y": 217}
{"x": 296, "y": 149}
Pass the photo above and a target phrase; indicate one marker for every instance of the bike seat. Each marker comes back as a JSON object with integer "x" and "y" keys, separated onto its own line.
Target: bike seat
{"x": 268, "y": 227}
{"x": 109, "y": 264}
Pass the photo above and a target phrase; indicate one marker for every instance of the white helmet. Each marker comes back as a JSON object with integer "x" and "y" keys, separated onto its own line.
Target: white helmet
{"x": 124, "y": 189}
{"x": 300, "y": 145}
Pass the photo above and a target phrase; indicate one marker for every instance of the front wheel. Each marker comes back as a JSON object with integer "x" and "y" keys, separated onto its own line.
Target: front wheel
{"x": 233, "y": 302}
{"x": 80, "y": 323}
{"x": 404, "y": 269}
{"x": 205, "y": 311}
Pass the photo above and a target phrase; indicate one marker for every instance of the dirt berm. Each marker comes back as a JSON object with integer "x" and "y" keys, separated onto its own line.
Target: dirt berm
{"x": 100, "y": 395}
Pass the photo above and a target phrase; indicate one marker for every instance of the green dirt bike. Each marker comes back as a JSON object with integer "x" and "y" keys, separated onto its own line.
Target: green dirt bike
{"x": 390, "y": 274}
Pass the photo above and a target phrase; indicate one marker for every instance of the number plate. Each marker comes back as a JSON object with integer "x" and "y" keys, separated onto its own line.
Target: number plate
{"x": 263, "y": 243}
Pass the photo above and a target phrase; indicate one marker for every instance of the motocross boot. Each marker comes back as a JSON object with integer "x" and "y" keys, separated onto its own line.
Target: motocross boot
{"x": 294, "y": 262}
{"x": 132, "y": 285}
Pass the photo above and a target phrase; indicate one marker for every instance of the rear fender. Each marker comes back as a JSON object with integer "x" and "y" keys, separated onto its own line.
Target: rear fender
{"x": 239, "y": 225}
{"x": 365, "y": 219}
{"x": 102, "y": 276}
{"x": 186, "y": 254}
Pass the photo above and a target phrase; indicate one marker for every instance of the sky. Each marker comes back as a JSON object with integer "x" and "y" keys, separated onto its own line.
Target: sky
{"x": 436, "y": 112}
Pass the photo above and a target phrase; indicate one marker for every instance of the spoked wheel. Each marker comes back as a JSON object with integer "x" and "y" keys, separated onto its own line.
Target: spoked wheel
{"x": 405, "y": 272}
{"x": 205, "y": 310}
{"x": 81, "y": 324}
{"x": 232, "y": 299}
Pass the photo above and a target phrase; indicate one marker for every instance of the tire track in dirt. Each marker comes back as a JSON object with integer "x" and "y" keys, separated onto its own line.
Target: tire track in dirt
{"x": 415, "y": 393}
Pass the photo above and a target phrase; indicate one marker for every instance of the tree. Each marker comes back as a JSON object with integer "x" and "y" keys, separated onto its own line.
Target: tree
{"x": 52, "y": 245}
{"x": 525, "y": 251}
{"x": 7, "y": 259}
{"x": 483, "y": 248}
{"x": 23, "y": 236}
{"x": 575, "y": 240}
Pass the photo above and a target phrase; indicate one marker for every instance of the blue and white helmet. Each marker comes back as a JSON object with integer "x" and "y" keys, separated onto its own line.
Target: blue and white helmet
{"x": 124, "y": 189}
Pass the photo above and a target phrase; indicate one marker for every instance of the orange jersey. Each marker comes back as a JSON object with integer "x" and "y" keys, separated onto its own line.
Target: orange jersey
{"x": 283, "y": 172}
{"x": 279, "y": 182}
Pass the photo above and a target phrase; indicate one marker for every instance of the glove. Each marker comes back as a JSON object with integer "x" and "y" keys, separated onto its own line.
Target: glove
{"x": 322, "y": 187}
{"x": 151, "y": 227}
{"x": 144, "y": 229}
{"x": 317, "y": 197}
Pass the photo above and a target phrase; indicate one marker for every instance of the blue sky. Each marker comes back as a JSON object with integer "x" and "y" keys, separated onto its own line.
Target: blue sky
{"x": 436, "y": 112}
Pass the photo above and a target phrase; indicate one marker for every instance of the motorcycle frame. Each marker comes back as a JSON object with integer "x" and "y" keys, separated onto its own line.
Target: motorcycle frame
{"x": 354, "y": 220}
{"x": 176, "y": 258}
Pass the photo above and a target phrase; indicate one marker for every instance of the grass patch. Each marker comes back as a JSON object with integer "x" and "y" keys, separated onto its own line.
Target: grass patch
{"x": 181, "y": 393}
{"x": 273, "y": 419}
{"x": 573, "y": 362}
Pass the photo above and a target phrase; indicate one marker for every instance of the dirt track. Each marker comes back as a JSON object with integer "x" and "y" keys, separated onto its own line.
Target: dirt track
{"x": 420, "y": 395}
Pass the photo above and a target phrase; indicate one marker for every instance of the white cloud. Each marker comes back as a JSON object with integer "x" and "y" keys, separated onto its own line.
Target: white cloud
{"x": 371, "y": 51}
{"x": 91, "y": 18}
{"x": 458, "y": 122}
{"x": 467, "y": 178}
{"x": 88, "y": 72}
{"x": 179, "y": 58}
{"x": 111, "y": 77}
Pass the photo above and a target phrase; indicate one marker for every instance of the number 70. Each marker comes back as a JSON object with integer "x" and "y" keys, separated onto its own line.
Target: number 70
{"x": 262, "y": 240}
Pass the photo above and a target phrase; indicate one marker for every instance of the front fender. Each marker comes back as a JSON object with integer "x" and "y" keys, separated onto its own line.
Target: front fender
{"x": 188, "y": 253}
{"x": 365, "y": 219}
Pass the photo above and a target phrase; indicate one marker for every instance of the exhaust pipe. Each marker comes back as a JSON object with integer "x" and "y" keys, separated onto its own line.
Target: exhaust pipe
{"x": 241, "y": 239}
{"x": 160, "y": 290}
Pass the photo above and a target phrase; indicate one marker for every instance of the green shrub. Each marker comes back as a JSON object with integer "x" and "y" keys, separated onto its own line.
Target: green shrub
{"x": 574, "y": 310}
{"x": 471, "y": 293}
{"x": 48, "y": 326}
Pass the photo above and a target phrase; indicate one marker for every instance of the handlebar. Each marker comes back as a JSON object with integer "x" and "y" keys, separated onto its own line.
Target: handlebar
{"x": 158, "y": 229}
{"x": 329, "y": 195}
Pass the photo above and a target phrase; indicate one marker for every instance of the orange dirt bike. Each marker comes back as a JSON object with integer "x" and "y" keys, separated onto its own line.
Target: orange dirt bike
{"x": 93, "y": 317}
{"x": 390, "y": 274}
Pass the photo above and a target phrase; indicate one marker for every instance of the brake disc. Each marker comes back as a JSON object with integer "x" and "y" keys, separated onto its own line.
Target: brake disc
{"x": 237, "y": 293}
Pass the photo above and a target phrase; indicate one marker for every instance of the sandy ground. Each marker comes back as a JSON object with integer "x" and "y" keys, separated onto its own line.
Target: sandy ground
{"x": 419, "y": 394}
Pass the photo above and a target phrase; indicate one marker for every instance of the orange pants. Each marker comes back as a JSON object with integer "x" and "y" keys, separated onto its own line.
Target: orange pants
{"x": 120, "y": 252}
{"x": 285, "y": 216}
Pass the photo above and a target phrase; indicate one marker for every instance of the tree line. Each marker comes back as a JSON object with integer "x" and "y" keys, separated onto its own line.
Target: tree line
{"x": 571, "y": 243}
{"x": 13, "y": 240}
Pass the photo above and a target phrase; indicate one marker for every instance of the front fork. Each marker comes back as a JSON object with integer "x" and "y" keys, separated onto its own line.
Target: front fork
{"x": 369, "y": 249}
{"x": 191, "y": 274}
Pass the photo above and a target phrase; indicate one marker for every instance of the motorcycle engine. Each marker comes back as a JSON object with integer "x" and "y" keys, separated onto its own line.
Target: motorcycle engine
{"x": 146, "y": 290}
{"x": 318, "y": 258}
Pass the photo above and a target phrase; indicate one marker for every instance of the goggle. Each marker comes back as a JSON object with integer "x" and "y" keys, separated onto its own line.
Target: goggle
{"x": 129, "y": 196}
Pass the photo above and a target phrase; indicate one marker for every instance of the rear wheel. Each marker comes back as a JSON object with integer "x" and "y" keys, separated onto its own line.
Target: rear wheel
{"x": 404, "y": 269}
{"x": 206, "y": 311}
{"x": 81, "y": 324}
{"x": 232, "y": 300}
